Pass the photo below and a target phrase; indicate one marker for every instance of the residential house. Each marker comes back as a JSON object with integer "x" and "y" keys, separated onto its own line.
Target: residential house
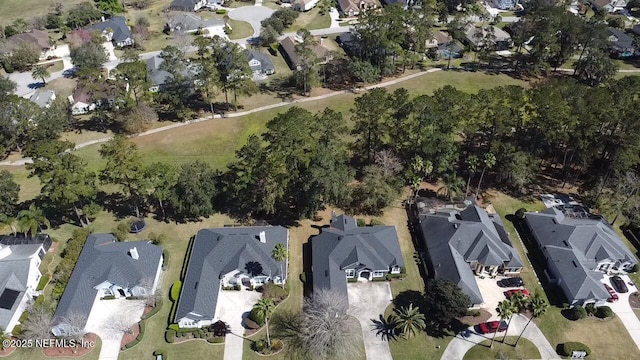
{"x": 578, "y": 250}
{"x": 260, "y": 63}
{"x": 462, "y": 244}
{"x": 191, "y": 23}
{"x": 106, "y": 268}
{"x": 610, "y": 5}
{"x": 37, "y": 38}
{"x": 504, "y": 4}
{"x": 406, "y": 4}
{"x": 227, "y": 257}
{"x": 159, "y": 77}
{"x": 441, "y": 45}
{"x": 187, "y": 5}
{"x": 115, "y": 30}
{"x": 43, "y": 98}
{"x": 620, "y": 44}
{"x": 353, "y": 8}
{"x": 497, "y": 38}
{"x": 288, "y": 50}
{"x": 347, "y": 252}
{"x": 85, "y": 100}
{"x": 20, "y": 258}
{"x": 304, "y": 5}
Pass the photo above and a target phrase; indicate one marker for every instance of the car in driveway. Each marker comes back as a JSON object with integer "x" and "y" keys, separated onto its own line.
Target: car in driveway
{"x": 490, "y": 327}
{"x": 619, "y": 284}
{"x": 612, "y": 293}
{"x": 511, "y": 282}
{"x": 510, "y": 293}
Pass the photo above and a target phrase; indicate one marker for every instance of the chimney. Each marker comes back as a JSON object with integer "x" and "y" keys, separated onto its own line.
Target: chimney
{"x": 263, "y": 237}
{"x": 134, "y": 253}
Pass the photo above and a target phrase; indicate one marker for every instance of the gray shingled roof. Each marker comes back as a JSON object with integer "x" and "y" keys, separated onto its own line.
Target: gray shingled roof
{"x": 14, "y": 274}
{"x": 453, "y": 239}
{"x": 344, "y": 245}
{"x": 117, "y": 24}
{"x": 265, "y": 61}
{"x": 576, "y": 246}
{"x": 217, "y": 252}
{"x": 184, "y": 5}
{"x": 190, "y": 22}
{"x": 620, "y": 40}
{"x": 104, "y": 259}
{"x": 42, "y": 98}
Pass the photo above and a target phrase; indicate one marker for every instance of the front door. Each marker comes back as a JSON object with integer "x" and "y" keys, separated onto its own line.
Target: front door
{"x": 365, "y": 274}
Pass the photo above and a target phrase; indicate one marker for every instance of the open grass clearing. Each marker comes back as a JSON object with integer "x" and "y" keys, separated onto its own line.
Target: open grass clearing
{"x": 310, "y": 20}
{"x": 241, "y": 29}
{"x": 54, "y": 66}
{"x": 27, "y": 9}
{"x": 238, "y": 3}
{"x": 525, "y": 350}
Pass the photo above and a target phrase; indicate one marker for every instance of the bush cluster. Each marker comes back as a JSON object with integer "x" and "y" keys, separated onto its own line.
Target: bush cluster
{"x": 170, "y": 336}
{"x": 604, "y": 312}
{"x": 568, "y": 348}
{"x": 253, "y": 315}
{"x": 275, "y": 292}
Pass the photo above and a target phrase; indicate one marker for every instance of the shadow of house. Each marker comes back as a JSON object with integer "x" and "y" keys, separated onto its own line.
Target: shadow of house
{"x": 225, "y": 257}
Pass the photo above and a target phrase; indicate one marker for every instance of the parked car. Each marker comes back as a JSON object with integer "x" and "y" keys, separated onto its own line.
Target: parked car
{"x": 490, "y": 327}
{"x": 619, "y": 284}
{"x": 511, "y": 282}
{"x": 612, "y": 294}
{"x": 510, "y": 293}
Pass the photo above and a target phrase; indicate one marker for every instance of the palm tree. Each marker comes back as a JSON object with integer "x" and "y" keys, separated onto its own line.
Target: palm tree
{"x": 505, "y": 310}
{"x": 472, "y": 163}
{"x": 409, "y": 320}
{"x": 452, "y": 186}
{"x": 29, "y": 220}
{"x": 279, "y": 254}
{"x": 538, "y": 307}
{"x": 489, "y": 162}
{"x": 8, "y": 222}
{"x": 265, "y": 308}
{"x": 40, "y": 72}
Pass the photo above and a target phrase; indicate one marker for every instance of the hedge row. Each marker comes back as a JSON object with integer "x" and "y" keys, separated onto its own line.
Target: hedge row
{"x": 161, "y": 353}
{"x": 154, "y": 311}
{"x": 139, "y": 337}
{"x": 43, "y": 282}
{"x": 568, "y": 348}
{"x": 165, "y": 261}
{"x": 175, "y": 290}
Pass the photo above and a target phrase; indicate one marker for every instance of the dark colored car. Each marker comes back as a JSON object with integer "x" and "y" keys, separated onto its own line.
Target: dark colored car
{"x": 510, "y": 293}
{"x": 511, "y": 282}
{"x": 490, "y": 327}
{"x": 613, "y": 296}
{"x": 619, "y": 284}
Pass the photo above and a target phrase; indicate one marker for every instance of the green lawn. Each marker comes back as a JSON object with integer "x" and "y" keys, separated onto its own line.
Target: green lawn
{"x": 238, "y": 3}
{"x": 525, "y": 350}
{"x": 240, "y": 30}
{"x": 311, "y": 20}
{"x": 55, "y": 66}
{"x": 27, "y": 9}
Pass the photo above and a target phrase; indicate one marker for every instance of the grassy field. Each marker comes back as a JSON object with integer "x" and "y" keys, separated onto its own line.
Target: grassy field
{"x": 27, "y": 9}
{"x": 311, "y": 20}
{"x": 241, "y": 29}
{"x": 525, "y": 350}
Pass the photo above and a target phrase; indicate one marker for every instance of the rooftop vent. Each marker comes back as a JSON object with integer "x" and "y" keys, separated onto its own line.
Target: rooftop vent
{"x": 133, "y": 252}
{"x": 574, "y": 263}
{"x": 263, "y": 237}
{"x": 455, "y": 226}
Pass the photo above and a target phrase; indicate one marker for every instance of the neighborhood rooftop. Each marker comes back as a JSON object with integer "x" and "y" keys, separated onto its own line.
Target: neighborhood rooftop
{"x": 118, "y": 25}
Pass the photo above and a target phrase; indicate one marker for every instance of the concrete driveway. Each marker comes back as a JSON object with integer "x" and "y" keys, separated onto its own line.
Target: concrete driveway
{"x": 234, "y": 306}
{"x": 251, "y": 14}
{"x": 623, "y": 309}
{"x": 367, "y": 301}
{"x": 492, "y": 294}
{"x": 467, "y": 339}
{"x": 104, "y": 315}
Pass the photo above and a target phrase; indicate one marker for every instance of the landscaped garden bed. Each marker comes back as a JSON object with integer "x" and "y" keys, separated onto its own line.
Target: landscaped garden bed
{"x": 262, "y": 348}
{"x": 72, "y": 351}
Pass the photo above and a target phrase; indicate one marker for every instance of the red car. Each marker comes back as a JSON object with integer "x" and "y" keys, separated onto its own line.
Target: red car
{"x": 491, "y": 327}
{"x": 614, "y": 296}
{"x": 510, "y": 293}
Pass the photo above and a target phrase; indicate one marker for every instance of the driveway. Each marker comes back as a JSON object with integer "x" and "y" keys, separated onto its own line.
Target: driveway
{"x": 251, "y": 14}
{"x": 367, "y": 302}
{"x": 492, "y": 294}
{"x": 109, "y": 318}
{"x": 623, "y": 310}
{"x": 467, "y": 339}
{"x": 233, "y": 306}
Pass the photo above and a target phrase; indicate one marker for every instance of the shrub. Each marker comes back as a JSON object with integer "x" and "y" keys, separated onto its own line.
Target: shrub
{"x": 132, "y": 344}
{"x": 43, "y": 282}
{"x": 565, "y": 305}
{"x": 275, "y": 292}
{"x": 174, "y": 327}
{"x": 250, "y": 324}
{"x": 39, "y": 301}
{"x": 253, "y": 315}
{"x": 23, "y": 317}
{"x": 17, "y": 330}
{"x": 303, "y": 277}
{"x": 579, "y": 312}
{"x": 153, "y": 311}
{"x": 165, "y": 259}
{"x": 569, "y": 347}
{"x": 520, "y": 213}
{"x": 375, "y": 222}
{"x": 361, "y": 222}
{"x": 590, "y": 308}
{"x": 122, "y": 230}
{"x": 473, "y": 313}
{"x": 108, "y": 297}
{"x": 158, "y": 239}
{"x": 170, "y": 336}
{"x": 276, "y": 345}
{"x": 221, "y": 11}
{"x": 604, "y": 312}
{"x": 175, "y": 290}
{"x": 635, "y": 268}
{"x": 216, "y": 339}
{"x": 260, "y": 345}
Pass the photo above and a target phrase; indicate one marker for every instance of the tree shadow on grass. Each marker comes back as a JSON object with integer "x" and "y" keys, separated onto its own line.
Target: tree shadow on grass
{"x": 385, "y": 328}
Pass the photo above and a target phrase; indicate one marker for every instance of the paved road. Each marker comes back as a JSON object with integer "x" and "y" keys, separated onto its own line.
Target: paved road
{"x": 367, "y": 302}
{"x": 465, "y": 340}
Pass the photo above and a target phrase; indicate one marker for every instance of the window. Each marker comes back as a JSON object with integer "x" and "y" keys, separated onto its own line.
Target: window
{"x": 395, "y": 270}
{"x": 350, "y": 273}
{"x": 378, "y": 273}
